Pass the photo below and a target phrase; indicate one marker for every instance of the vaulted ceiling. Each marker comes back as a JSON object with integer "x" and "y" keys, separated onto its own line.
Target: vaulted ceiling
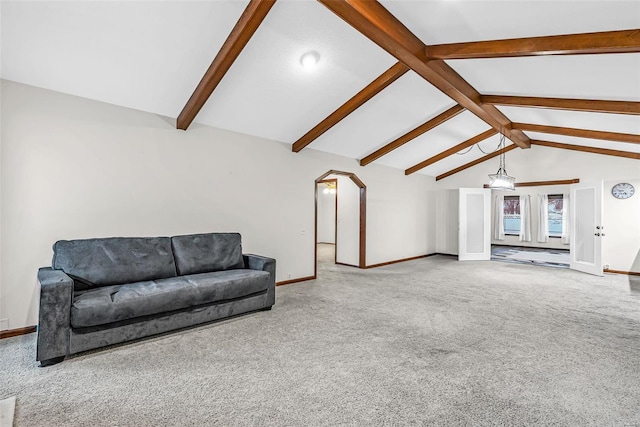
{"x": 398, "y": 82}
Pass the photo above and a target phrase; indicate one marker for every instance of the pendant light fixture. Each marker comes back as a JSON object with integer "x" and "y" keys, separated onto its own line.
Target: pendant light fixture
{"x": 500, "y": 180}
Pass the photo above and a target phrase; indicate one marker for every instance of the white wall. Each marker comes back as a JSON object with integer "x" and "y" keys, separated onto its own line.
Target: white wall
{"x": 621, "y": 243}
{"x": 4, "y": 321}
{"x": 621, "y": 247}
{"x": 326, "y": 215}
{"x": 398, "y": 211}
{"x": 446, "y": 229}
{"x": 75, "y": 168}
{"x": 348, "y": 232}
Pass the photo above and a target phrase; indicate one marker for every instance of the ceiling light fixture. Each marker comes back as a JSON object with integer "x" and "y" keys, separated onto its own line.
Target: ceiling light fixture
{"x": 310, "y": 59}
{"x": 500, "y": 180}
{"x": 330, "y": 189}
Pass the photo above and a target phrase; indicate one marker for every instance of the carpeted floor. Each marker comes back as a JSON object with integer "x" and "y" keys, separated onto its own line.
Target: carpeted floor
{"x": 433, "y": 341}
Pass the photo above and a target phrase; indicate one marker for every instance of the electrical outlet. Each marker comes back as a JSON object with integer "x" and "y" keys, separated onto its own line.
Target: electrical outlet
{"x": 303, "y": 232}
{"x": 606, "y": 266}
{"x": 4, "y": 324}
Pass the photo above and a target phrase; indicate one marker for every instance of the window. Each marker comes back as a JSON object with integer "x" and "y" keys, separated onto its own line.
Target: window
{"x": 511, "y": 210}
{"x": 555, "y": 208}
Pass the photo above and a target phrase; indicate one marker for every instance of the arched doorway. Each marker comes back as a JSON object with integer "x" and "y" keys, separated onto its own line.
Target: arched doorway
{"x": 361, "y": 221}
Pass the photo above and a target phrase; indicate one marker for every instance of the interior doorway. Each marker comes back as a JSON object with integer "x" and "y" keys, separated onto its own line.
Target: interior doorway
{"x": 327, "y": 220}
{"x": 541, "y": 234}
{"x": 347, "y": 226}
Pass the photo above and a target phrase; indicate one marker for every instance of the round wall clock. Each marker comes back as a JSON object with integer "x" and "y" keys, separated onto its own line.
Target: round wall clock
{"x": 623, "y": 190}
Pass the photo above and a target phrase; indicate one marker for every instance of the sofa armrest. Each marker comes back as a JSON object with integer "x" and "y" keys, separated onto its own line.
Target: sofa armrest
{"x": 257, "y": 262}
{"x": 54, "y": 319}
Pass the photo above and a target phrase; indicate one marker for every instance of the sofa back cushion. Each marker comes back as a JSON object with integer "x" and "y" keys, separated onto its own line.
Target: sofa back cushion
{"x": 114, "y": 260}
{"x": 203, "y": 253}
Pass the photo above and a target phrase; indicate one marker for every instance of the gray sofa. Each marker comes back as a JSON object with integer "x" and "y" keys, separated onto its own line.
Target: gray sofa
{"x": 100, "y": 292}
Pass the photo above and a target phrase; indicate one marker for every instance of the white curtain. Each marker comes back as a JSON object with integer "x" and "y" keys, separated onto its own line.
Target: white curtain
{"x": 498, "y": 218}
{"x": 543, "y": 218}
{"x": 525, "y": 218}
{"x": 565, "y": 237}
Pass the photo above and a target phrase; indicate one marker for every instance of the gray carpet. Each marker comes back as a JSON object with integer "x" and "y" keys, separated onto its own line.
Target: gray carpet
{"x": 428, "y": 342}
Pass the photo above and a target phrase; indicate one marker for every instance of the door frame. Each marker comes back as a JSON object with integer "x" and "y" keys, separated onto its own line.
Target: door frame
{"x": 362, "y": 259}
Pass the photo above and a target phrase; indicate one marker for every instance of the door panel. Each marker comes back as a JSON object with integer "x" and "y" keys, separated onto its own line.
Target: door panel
{"x": 586, "y": 227}
{"x": 474, "y": 236}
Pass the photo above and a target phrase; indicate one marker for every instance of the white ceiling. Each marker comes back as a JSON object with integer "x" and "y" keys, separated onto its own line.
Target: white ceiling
{"x": 150, "y": 55}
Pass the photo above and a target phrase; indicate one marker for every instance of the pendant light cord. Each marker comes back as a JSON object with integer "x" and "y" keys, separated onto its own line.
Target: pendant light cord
{"x": 502, "y": 157}
{"x": 462, "y": 153}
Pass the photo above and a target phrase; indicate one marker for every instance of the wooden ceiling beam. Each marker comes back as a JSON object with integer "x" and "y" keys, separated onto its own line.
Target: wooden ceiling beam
{"x": 543, "y": 183}
{"x": 376, "y": 23}
{"x": 412, "y": 134}
{"x": 249, "y": 21}
{"x": 372, "y": 89}
{"x": 451, "y": 151}
{"x": 580, "y": 133}
{"x": 590, "y": 105}
{"x": 475, "y": 162}
{"x": 595, "y": 150}
{"x": 571, "y": 44}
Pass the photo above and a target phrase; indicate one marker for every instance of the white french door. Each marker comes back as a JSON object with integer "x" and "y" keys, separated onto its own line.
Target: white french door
{"x": 474, "y": 224}
{"x": 586, "y": 227}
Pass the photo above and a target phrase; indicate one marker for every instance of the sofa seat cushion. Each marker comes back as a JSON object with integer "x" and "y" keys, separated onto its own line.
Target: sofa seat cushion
{"x": 123, "y": 302}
